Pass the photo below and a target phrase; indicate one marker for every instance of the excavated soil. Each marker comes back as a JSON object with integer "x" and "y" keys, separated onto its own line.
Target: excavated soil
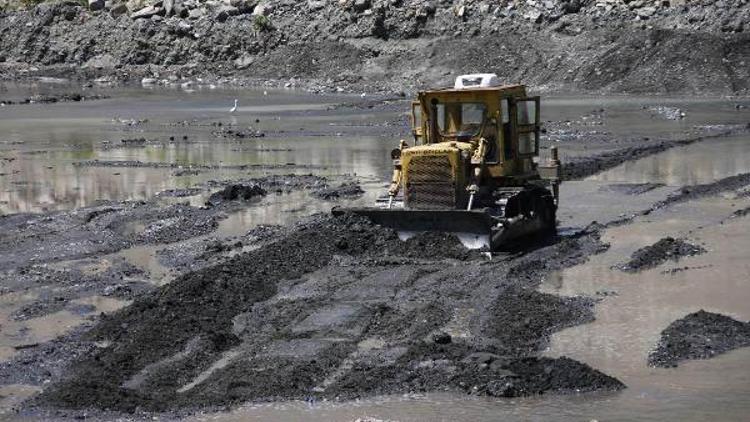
{"x": 337, "y": 308}
{"x": 700, "y": 335}
{"x": 662, "y": 251}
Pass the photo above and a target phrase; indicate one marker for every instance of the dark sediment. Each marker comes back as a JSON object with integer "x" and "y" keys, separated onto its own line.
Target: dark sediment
{"x": 327, "y": 309}
{"x": 633, "y": 188}
{"x": 664, "y": 250}
{"x": 236, "y": 192}
{"x": 700, "y": 335}
{"x": 343, "y": 191}
{"x": 689, "y": 193}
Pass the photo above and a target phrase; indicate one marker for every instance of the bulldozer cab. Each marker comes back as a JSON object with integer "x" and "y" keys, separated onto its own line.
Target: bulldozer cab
{"x": 503, "y": 116}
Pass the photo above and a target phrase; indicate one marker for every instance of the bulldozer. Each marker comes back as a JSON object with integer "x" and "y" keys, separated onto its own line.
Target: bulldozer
{"x": 472, "y": 168}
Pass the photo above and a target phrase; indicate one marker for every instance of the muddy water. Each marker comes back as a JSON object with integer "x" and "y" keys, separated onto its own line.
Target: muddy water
{"x": 17, "y": 335}
{"x": 40, "y": 142}
{"x": 698, "y": 163}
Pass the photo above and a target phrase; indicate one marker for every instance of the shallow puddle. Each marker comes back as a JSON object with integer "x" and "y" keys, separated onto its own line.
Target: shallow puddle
{"x": 18, "y": 335}
{"x": 699, "y": 163}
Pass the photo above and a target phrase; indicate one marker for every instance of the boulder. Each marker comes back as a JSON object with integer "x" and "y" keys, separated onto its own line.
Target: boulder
{"x": 224, "y": 12}
{"x": 96, "y": 5}
{"x": 147, "y": 12}
{"x": 262, "y": 9}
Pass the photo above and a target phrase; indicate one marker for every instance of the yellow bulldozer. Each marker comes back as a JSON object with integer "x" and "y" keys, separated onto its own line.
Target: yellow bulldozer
{"x": 472, "y": 169}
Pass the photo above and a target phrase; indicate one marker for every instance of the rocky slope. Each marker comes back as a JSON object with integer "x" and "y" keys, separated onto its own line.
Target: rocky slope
{"x": 637, "y": 46}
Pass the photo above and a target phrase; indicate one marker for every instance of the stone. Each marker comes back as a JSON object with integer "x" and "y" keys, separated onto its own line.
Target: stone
{"x": 135, "y": 5}
{"x": 96, "y": 5}
{"x": 441, "y": 338}
{"x": 147, "y": 12}
{"x": 197, "y": 13}
{"x": 262, "y": 9}
{"x": 244, "y": 61}
{"x": 646, "y": 12}
{"x": 534, "y": 16}
{"x": 316, "y": 4}
{"x": 180, "y": 9}
{"x": 224, "y": 12}
{"x": 118, "y": 9}
{"x": 103, "y": 61}
{"x": 484, "y": 8}
{"x": 573, "y": 6}
{"x": 361, "y": 5}
{"x": 168, "y": 6}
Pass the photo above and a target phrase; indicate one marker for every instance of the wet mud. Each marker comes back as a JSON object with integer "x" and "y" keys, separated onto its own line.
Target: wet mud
{"x": 700, "y": 335}
{"x": 633, "y": 188}
{"x": 326, "y": 310}
{"x": 344, "y": 190}
{"x": 51, "y": 99}
{"x": 666, "y": 249}
{"x": 236, "y": 192}
{"x": 688, "y": 193}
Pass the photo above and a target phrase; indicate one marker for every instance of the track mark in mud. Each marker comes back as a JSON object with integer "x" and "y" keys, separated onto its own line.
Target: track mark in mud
{"x": 700, "y": 335}
{"x": 662, "y": 251}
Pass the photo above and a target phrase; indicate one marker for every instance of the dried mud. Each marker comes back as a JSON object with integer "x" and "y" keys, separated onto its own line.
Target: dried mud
{"x": 700, "y": 335}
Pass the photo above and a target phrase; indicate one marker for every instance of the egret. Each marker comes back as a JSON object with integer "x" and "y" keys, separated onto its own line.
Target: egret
{"x": 235, "y": 107}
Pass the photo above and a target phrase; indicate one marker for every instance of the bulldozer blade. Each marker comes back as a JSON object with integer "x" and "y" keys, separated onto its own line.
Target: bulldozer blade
{"x": 475, "y": 229}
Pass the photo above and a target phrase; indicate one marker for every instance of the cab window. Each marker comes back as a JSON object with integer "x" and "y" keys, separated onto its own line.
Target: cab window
{"x": 463, "y": 120}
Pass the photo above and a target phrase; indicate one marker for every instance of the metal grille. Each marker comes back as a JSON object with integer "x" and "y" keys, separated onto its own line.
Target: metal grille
{"x": 430, "y": 183}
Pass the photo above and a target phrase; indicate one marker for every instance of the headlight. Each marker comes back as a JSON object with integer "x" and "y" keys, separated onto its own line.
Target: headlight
{"x": 396, "y": 153}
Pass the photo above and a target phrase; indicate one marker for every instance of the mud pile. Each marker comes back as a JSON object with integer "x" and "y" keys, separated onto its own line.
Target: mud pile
{"x": 662, "y": 251}
{"x": 337, "y": 307}
{"x": 236, "y": 192}
{"x": 700, "y": 335}
{"x": 344, "y": 190}
{"x": 689, "y": 193}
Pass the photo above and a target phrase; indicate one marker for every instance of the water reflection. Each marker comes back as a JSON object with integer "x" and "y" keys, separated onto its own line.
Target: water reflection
{"x": 39, "y": 173}
{"x": 698, "y": 163}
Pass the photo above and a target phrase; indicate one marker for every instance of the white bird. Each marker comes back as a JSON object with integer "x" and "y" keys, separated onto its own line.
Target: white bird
{"x": 235, "y": 107}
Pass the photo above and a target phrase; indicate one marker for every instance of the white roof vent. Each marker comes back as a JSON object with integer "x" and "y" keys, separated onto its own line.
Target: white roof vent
{"x": 477, "y": 80}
